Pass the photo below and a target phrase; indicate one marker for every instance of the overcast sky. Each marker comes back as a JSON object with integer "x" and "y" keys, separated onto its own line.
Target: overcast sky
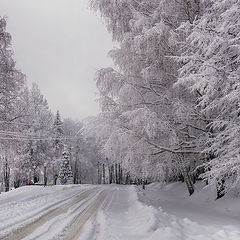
{"x": 59, "y": 44}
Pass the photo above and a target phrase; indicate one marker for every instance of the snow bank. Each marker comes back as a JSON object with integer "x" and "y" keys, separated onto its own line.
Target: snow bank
{"x": 179, "y": 216}
{"x": 125, "y": 217}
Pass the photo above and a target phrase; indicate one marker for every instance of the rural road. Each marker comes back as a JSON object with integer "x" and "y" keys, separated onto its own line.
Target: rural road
{"x": 97, "y": 212}
{"x": 77, "y": 208}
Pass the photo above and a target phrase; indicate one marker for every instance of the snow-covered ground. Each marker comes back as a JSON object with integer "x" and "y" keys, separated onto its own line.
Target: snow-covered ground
{"x": 197, "y": 217}
{"x": 113, "y": 212}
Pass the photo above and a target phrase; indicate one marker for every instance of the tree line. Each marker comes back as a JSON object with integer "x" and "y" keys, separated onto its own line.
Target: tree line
{"x": 170, "y": 105}
{"x": 32, "y": 138}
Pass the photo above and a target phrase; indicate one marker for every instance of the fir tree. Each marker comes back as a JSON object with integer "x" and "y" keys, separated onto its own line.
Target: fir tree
{"x": 58, "y": 134}
{"x": 65, "y": 172}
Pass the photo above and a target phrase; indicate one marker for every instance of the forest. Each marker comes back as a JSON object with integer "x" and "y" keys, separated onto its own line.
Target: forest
{"x": 169, "y": 107}
{"x": 32, "y": 137}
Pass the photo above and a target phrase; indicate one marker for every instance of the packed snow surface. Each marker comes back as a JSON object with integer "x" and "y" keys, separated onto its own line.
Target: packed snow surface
{"x": 113, "y": 212}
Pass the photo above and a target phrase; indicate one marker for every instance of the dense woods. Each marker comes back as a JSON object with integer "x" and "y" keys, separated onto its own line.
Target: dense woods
{"x": 32, "y": 138}
{"x": 170, "y": 105}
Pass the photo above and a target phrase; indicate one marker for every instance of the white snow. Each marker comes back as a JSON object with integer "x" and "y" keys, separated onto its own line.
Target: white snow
{"x": 125, "y": 217}
{"x": 114, "y": 212}
{"x": 26, "y": 204}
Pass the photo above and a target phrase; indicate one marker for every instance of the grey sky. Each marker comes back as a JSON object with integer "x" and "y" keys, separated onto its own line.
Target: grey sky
{"x": 59, "y": 44}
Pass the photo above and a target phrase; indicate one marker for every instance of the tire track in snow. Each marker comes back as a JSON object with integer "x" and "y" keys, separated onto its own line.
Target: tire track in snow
{"x": 76, "y": 229}
{"x": 24, "y": 231}
{"x": 31, "y": 216}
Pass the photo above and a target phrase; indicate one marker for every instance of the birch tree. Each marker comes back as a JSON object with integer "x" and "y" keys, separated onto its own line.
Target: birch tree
{"x": 210, "y": 67}
{"x": 141, "y": 85}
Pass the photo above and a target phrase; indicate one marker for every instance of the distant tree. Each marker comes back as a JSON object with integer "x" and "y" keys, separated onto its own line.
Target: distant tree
{"x": 58, "y": 135}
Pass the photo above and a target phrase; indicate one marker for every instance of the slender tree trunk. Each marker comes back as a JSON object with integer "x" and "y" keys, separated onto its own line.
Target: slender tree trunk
{"x": 121, "y": 176}
{"x": 75, "y": 179}
{"x": 136, "y": 181}
{"x": 110, "y": 175}
{"x": 116, "y": 173}
{"x": 6, "y": 172}
{"x": 45, "y": 176}
{"x": 103, "y": 173}
{"x": 166, "y": 173}
{"x": 127, "y": 179}
{"x": 112, "y": 172}
{"x": 98, "y": 172}
{"x": 79, "y": 173}
{"x": 185, "y": 174}
{"x": 55, "y": 175}
{"x": 143, "y": 184}
{"x": 79, "y": 177}
{"x": 119, "y": 173}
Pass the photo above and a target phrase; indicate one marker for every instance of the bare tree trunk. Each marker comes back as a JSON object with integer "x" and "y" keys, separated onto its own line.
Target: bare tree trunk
{"x": 55, "y": 175}
{"x": 127, "y": 179}
{"x": 79, "y": 177}
{"x": 98, "y": 172}
{"x": 121, "y": 176}
{"x": 143, "y": 184}
{"x": 119, "y": 173}
{"x": 116, "y": 173}
{"x": 103, "y": 173}
{"x": 75, "y": 179}
{"x": 109, "y": 174}
{"x": 185, "y": 174}
{"x": 112, "y": 172}
{"x": 6, "y": 171}
{"x": 136, "y": 181}
{"x": 45, "y": 175}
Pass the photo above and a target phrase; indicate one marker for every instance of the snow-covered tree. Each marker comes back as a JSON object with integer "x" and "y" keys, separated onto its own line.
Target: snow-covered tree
{"x": 210, "y": 67}
{"x": 35, "y": 126}
{"x": 11, "y": 85}
{"x": 65, "y": 174}
{"x": 139, "y": 93}
{"x": 58, "y": 135}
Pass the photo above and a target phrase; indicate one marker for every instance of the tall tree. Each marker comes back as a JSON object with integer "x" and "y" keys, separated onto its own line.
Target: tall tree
{"x": 139, "y": 94}
{"x": 11, "y": 85}
{"x": 210, "y": 67}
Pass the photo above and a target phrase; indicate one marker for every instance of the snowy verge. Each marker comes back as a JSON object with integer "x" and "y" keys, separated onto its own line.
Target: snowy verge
{"x": 126, "y": 216}
{"x": 197, "y": 217}
{"x": 202, "y": 206}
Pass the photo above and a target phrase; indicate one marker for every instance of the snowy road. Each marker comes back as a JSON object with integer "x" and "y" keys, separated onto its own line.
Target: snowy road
{"x": 48, "y": 213}
{"x": 87, "y": 212}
